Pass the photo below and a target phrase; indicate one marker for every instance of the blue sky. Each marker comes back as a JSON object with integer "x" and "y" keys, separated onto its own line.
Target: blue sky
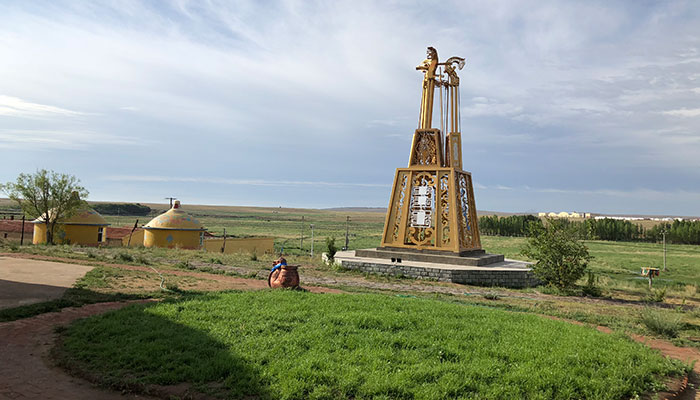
{"x": 588, "y": 106}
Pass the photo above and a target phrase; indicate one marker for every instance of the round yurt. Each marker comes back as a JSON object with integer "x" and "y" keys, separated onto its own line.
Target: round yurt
{"x": 86, "y": 227}
{"x": 174, "y": 229}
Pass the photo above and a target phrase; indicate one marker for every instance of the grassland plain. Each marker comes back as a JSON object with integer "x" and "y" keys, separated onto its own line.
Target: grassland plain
{"x": 617, "y": 263}
{"x": 295, "y": 345}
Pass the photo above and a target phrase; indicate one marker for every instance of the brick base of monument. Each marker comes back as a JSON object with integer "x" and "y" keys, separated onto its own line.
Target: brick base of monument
{"x": 478, "y": 268}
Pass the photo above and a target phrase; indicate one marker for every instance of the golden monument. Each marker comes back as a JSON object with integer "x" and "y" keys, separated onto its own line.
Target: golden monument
{"x": 431, "y": 230}
{"x": 432, "y": 202}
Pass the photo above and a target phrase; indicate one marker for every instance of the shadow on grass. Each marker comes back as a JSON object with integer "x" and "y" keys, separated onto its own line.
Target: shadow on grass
{"x": 145, "y": 350}
{"x": 73, "y": 297}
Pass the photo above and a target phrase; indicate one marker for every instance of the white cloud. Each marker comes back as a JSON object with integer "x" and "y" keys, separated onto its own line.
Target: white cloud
{"x": 16, "y": 107}
{"x": 683, "y": 112}
{"x": 33, "y": 140}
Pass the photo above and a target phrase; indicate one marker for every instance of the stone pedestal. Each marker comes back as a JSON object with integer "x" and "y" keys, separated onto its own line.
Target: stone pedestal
{"x": 478, "y": 268}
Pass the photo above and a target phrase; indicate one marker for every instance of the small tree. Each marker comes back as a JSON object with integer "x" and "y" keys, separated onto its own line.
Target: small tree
{"x": 47, "y": 194}
{"x": 561, "y": 258}
{"x": 332, "y": 249}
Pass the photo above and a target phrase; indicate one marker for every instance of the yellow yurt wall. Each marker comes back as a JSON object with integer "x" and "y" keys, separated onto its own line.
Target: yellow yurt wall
{"x": 86, "y": 235}
{"x": 172, "y": 238}
{"x": 81, "y": 234}
{"x": 136, "y": 239}
{"x": 39, "y": 234}
{"x": 174, "y": 229}
{"x": 85, "y": 227}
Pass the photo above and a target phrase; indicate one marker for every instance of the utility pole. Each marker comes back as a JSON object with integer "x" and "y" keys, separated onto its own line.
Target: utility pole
{"x": 301, "y": 242}
{"x": 21, "y": 240}
{"x": 171, "y": 200}
{"x": 136, "y": 224}
{"x": 223, "y": 246}
{"x": 312, "y": 240}
{"x": 663, "y": 233}
{"x": 347, "y": 232}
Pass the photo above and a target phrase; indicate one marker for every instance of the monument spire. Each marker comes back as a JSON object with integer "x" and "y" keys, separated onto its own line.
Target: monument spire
{"x": 432, "y": 204}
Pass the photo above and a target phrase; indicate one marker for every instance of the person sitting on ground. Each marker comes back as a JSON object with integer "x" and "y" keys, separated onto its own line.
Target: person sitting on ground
{"x": 279, "y": 263}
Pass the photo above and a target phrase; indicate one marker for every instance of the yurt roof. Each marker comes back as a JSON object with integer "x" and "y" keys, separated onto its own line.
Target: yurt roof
{"x": 86, "y": 216}
{"x": 176, "y": 219}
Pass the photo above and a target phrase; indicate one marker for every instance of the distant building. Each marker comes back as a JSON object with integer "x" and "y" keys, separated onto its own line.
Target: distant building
{"x": 174, "y": 229}
{"x": 86, "y": 227}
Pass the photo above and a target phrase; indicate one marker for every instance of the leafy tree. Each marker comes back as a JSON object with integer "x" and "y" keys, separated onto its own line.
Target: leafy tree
{"x": 561, "y": 258}
{"x": 47, "y": 194}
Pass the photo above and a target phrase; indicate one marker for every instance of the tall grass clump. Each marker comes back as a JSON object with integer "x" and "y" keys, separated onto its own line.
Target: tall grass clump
{"x": 660, "y": 322}
{"x": 124, "y": 256}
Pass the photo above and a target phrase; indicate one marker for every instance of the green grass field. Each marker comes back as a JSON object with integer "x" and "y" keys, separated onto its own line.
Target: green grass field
{"x": 295, "y": 345}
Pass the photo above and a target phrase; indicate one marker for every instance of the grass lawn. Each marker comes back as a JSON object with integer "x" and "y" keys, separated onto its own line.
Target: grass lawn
{"x": 619, "y": 263}
{"x": 296, "y": 345}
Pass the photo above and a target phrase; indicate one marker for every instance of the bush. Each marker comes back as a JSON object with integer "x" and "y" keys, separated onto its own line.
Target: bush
{"x": 561, "y": 258}
{"x": 141, "y": 259}
{"x": 254, "y": 257}
{"x": 661, "y": 323}
{"x": 125, "y": 257}
{"x": 184, "y": 265}
{"x": 591, "y": 289}
{"x": 492, "y": 296}
{"x": 656, "y": 296}
{"x": 330, "y": 246}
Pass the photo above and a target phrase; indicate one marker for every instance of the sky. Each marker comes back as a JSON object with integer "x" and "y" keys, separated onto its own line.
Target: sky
{"x": 565, "y": 105}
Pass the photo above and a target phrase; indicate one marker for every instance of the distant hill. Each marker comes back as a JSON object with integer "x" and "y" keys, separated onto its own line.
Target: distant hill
{"x": 357, "y": 209}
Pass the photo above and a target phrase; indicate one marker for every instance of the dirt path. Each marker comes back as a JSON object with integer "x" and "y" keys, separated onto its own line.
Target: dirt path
{"x": 25, "y": 370}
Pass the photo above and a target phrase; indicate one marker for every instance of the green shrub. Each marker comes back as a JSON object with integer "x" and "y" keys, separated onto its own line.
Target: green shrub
{"x": 141, "y": 259}
{"x": 561, "y": 258}
{"x": 492, "y": 296}
{"x": 656, "y": 296}
{"x": 172, "y": 287}
{"x": 184, "y": 265}
{"x": 330, "y": 246}
{"x": 254, "y": 257}
{"x": 591, "y": 289}
{"x": 661, "y": 323}
{"x": 126, "y": 257}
